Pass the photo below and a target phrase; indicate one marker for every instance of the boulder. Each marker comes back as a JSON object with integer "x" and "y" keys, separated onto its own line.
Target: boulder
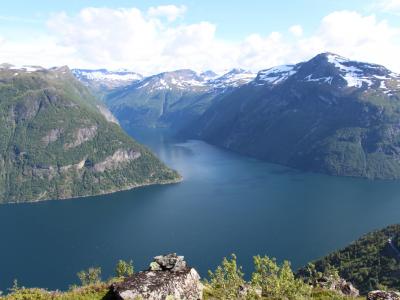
{"x": 339, "y": 285}
{"x": 246, "y": 291}
{"x": 382, "y": 295}
{"x": 170, "y": 262}
{"x": 168, "y": 277}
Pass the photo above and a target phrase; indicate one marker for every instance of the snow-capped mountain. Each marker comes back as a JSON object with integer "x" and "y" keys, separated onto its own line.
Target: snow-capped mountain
{"x": 232, "y": 79}
{"x": 180, "y": 80}
{"x": 107, "y": 79}
{"x": 23, "y": 68}
{"x": 207, "y": 75}
{"x": 275, "y": 75}
{"x": 188, "y": 79}
{"x": 329, "y": 114}
{"x": 333, "y": 69}
{"x": 172, "y": 99}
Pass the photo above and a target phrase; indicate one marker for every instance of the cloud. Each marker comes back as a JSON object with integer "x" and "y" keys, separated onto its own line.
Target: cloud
{"x": 356, "y": 36}
{"x": 138, "y": 40}
{"x": 296, "y": 30}
{"x": 171, "y": 12}
{"x": 18, "y": 19}
{"x": 40, "y": 50}
{"x": 389, "y": 6}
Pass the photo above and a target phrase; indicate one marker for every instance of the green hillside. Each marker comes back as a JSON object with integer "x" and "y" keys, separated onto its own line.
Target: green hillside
{"x": 372, "y": 262}
{"x": 57, "y": 141}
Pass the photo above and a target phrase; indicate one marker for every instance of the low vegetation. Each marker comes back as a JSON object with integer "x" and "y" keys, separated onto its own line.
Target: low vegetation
{"x": 369, "y": 263}
{"x": 269, "y": 281}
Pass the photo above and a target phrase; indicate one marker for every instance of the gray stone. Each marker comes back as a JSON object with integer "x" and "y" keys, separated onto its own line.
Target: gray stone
{"x": 167, "y": 278}
{"x": 171, "y": 262}
{"x": 382, "y": 295}
{"x": 247, "y": 290}
{"x": 339, "y": 285}
{"x": 158, "y": 285}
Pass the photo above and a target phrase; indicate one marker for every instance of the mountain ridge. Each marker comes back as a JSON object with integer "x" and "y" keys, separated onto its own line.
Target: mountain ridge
{"x": 58, "y": 141}
{"x": 328, "y": 115}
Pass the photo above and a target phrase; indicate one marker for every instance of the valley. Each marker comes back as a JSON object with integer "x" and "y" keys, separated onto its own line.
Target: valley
{"x": 327, "y": 115}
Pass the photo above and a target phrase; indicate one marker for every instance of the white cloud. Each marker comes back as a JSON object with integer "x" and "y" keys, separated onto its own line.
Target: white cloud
{"x": 296, "y": 30}
{"x": 18, "y": 20}
{"x": 171, "y": 12}
{"x": 130, "y": 38}
{"x": 389, "y": 6}
{"x": 359, "y": 37}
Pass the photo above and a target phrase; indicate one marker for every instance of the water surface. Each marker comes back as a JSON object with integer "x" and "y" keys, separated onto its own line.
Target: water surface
{"x": 226, "y": 204}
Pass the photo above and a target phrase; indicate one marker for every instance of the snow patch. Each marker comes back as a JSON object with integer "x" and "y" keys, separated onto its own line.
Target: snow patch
{"x": 353, "y": 76}
{"x": 112, "y": 76}
{"x": 321, "y": 79}
{"x": 276, "y": 75}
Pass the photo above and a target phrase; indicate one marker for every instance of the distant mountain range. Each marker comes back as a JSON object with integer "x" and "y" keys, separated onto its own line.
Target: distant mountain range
{"x": 58, "y": 141}
{"x": 101, "y": 81}
{"x": 329, "y": 114}
{"x": 172, "y": 99}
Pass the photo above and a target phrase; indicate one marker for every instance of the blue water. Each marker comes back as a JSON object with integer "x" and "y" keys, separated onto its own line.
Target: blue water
{"x": 226, "y": 204}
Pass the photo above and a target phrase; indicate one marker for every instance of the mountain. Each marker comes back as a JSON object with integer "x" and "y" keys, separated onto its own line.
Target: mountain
{"x": 371, "y": 262}
{"x": 57, "y": 141}
{"x": 172, "y": 99}
{"x": 329, "y": 115}
{"x": 101, "y": 81}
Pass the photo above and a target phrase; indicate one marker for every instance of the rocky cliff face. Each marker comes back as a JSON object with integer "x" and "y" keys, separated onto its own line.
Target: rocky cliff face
{"x": 167, "y": 278}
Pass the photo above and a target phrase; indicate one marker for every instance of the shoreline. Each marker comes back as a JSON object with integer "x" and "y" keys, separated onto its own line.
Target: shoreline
{"x": 128, "y": 188}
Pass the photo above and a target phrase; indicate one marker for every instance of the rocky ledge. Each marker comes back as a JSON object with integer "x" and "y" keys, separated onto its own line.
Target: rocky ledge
{"x": 338, "y": 285}
{"x": 167, "y": 277}
{"x": 382, "y": 295}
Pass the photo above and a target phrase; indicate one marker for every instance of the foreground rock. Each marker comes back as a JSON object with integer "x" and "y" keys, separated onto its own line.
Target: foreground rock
{"x": 339, "y": 285}
{"x": 382, "y": 295}
{"x": 168, "y": 276}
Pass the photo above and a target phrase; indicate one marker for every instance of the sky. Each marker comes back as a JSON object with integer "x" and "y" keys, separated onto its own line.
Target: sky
{"x": 149, "y": 36}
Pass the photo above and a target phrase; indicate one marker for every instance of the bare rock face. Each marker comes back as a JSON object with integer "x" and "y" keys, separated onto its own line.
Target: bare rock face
{"x": 119, "y": 157}
{"x": 339, "y": 285}
{"x": 52, "y": 136}
{"x": 382, "y": 295}
{"x": 107, "y": 114}
{"x": 167, "y": 277}
{"x": 82, "y": 135}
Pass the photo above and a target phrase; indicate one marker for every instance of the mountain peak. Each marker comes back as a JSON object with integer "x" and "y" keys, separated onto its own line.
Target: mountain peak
{"x": 331, "y": 68}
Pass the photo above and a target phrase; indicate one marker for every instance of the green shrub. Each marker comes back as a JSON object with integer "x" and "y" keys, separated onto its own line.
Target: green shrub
{"x": 91, "y": 276}
{"x": 124, "y": 268}
{"x": 278, "y": 282}
{"x": 227, "y": 279}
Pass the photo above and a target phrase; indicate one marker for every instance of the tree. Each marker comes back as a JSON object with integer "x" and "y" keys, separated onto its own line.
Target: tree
{"x": 227, "y": 279}
{"x": 124, "y": 268}
{"x": 278, "y": 282}
{"x": 91, "y": 276}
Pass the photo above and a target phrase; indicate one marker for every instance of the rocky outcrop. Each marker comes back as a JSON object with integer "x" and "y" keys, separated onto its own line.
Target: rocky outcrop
{"x": 167, "y": 277}
{"x": 170, "y": 262}
{"x": 82, "y": 135}
{"x": 246, "y": 291}
{"x": 119, "y": 157}
{"x": 107, "y": 114}
{"x": 52, "y": 136}
{"x": 382, "y": 295}
{"x": 339, "y": 285}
